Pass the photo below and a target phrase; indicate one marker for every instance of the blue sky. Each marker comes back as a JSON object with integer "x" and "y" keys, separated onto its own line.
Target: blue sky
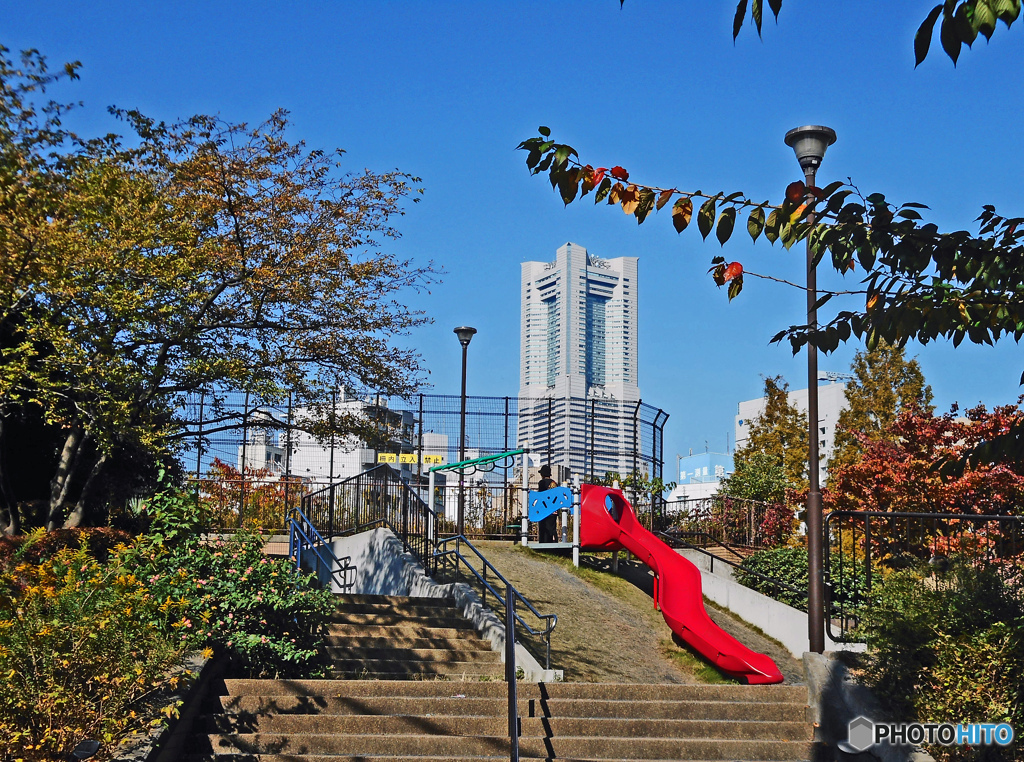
{"x": 446, "y": 90}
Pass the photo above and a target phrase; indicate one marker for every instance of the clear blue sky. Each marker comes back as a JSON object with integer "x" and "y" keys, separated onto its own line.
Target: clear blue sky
{"x": 445, "y": 90}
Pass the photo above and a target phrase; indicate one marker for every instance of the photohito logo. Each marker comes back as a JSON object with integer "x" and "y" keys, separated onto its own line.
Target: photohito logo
{"x": 863, "y": 734}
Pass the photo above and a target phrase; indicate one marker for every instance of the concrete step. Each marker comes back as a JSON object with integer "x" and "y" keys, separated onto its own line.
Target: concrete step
{"x": 340, "y": 655}
{"x": 388, "y": 618}
{"x": 442, "y": 608}
{"x": 774, "y": 694}
{"x": 228, "y": 757}
{"x": 400, "y": 631}
{"x": 537, "y": 727}
{"x": 393, "y": 600}
{"x": 479, "y": 745}
{"x": 402, "y": 641}
{"x": 528, "y": 707}
{"x": 355, "y": 667}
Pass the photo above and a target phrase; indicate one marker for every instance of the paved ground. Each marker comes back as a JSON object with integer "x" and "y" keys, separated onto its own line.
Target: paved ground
{"x": 608, "y": 630}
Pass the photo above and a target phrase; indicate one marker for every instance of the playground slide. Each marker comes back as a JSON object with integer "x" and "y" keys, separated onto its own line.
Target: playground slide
{"x": 608, "y": 523}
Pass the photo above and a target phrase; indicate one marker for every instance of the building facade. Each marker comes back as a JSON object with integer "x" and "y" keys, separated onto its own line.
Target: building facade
{"x": 578, "y": 385}
{"x": 831, "y": 402}
{"x": 701, "y": 475}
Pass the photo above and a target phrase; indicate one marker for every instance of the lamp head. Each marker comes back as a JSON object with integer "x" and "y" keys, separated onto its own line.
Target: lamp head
{"x": 465, "y": 334}
{"x": 809, "y": 144}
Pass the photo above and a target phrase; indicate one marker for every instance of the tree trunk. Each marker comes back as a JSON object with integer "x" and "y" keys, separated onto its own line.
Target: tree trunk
{"x": 79, "y": 516}
{"x": 10, "y": 521}
{"x": 61, "y": 482}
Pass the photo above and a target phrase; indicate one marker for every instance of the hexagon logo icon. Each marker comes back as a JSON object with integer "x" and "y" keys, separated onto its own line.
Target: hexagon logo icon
{"x": 861, "y": 733}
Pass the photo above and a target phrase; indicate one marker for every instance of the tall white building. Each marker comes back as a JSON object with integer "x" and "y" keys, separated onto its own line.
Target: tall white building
{"x": 578, "y": 360}
{"x": 831, "y": 402}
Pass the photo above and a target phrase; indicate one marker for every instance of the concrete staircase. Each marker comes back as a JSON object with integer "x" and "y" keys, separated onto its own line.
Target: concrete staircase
{"x": 376, "y": 637}
{"x": 317, "y": 721}
{"x": 428, "y": 688}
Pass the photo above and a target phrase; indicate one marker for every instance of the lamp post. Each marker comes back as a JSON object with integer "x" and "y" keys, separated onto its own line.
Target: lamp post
{"x": 809, "y": 144}
{"x": 465, "y": 334}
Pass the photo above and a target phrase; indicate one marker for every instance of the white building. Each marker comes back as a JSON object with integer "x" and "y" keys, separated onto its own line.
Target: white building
{"x": 831, "y": 402}
{"x": 701, "y": 475}
{"x": 323, "y": 461}
{"x": 578, "y": 360}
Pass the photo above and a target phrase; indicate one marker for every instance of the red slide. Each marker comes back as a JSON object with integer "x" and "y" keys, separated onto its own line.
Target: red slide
{"x": 607, "y": 522}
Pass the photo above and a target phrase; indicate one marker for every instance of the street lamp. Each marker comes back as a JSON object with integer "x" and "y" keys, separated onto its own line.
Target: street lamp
{"x": 465, "y": 334}
{"x": 809, "y": 144}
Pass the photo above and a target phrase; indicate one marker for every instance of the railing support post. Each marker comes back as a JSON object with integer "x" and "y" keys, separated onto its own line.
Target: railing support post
{"x": 510, "y": 674}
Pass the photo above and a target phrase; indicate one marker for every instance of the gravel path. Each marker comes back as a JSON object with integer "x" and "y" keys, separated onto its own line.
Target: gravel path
{"x": 608, "y": 630}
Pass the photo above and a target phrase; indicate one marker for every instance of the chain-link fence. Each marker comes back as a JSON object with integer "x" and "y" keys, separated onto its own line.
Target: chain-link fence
{"x": 251, "y": 459}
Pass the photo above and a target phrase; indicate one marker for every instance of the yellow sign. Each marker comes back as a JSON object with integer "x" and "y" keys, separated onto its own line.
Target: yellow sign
{"x": 387, "y": 457}
{"x": 407, "y": 458}
{"x": 436, "y": 459}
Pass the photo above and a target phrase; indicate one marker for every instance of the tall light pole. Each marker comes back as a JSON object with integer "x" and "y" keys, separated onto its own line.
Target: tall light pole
{"x": 465, "y": 334}
{"x": 809, "y": 144}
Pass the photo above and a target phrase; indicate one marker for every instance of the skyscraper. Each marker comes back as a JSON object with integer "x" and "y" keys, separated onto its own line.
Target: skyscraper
{"x": 578, "y": 360}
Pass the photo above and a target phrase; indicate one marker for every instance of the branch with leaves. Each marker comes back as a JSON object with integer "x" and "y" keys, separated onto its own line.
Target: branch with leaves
{"x": 962, "y": 23}
{"x": 918, "y": 283}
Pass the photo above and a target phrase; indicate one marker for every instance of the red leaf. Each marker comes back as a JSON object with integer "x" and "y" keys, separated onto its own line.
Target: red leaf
{"x": 619, "y": 173}
{"x": 796, "y": 191}
{"x": 599, "y": 175}
{"x": 732, "y": 270}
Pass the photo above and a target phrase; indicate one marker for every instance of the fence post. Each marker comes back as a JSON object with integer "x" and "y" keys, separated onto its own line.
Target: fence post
{"x": 510, "y": 674}
{"x": 288, "y": 456}
{"x": 405, "y": 520}
{"x": 334, "y": 423}
{"x": 199, "y": 440}
{"x": 245, "y": 441}
{"x": 330, "y": 512}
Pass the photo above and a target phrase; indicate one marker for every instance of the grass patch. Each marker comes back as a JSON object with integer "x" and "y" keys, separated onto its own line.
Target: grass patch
{"x": 695, "y": 664}
{"x": 680, "y": 654}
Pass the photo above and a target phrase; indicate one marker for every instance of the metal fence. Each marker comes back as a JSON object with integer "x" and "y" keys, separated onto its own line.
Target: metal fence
{"x": 730, "y": 521}
{"x": 861, "y": 546}
{"x": 252, "y": 459}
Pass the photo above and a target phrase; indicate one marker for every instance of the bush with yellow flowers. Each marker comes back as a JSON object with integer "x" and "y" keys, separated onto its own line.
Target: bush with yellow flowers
{"x": 84, "y": 653}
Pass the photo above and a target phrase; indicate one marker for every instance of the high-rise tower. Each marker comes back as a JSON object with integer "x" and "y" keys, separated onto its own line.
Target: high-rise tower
{"x": 579, "y": 348}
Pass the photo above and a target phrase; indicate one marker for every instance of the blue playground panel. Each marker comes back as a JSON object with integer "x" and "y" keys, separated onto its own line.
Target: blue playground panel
{"x": 543, "y": 504}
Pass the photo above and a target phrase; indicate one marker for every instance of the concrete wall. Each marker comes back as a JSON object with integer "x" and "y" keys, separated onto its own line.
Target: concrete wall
{"x": 381, "y": 567}
{"x": 777, "y": 620}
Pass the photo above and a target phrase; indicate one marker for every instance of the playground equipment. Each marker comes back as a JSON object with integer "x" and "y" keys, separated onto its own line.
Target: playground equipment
{"x": 604, "y": 520}
{"x": 609, "y": 523}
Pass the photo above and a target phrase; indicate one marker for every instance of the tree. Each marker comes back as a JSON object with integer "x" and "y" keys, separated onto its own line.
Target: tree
{"x": 759, "y": 476}
{"x": 206, "y": 256}
{"x": 897, "y": 472}
{"x": 885, "y": 383}
{"x": 779, "y": 433}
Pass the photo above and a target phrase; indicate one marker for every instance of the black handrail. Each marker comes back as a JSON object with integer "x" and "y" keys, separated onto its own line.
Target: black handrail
{"x": 923, "y": 540}
{"x": 377, "y": 497}
{"x": 551, "y": 619}
{"x": 514, "y": 729}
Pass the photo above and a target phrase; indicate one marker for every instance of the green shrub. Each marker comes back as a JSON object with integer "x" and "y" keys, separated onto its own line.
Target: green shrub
{"x": 948, "y": 648}
{"x": 263, "y": 613}
{"x": 787, "y": 565}
{"x": 80, "y": 655}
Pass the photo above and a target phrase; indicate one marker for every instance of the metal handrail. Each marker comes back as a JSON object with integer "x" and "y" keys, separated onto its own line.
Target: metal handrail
{"x": 849, "y": 611}
{"x": 299, "y": 537}
{"x": 706, "y": 536}
{"x": 514, "y": 726}
{"x": 551, "y": 619}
